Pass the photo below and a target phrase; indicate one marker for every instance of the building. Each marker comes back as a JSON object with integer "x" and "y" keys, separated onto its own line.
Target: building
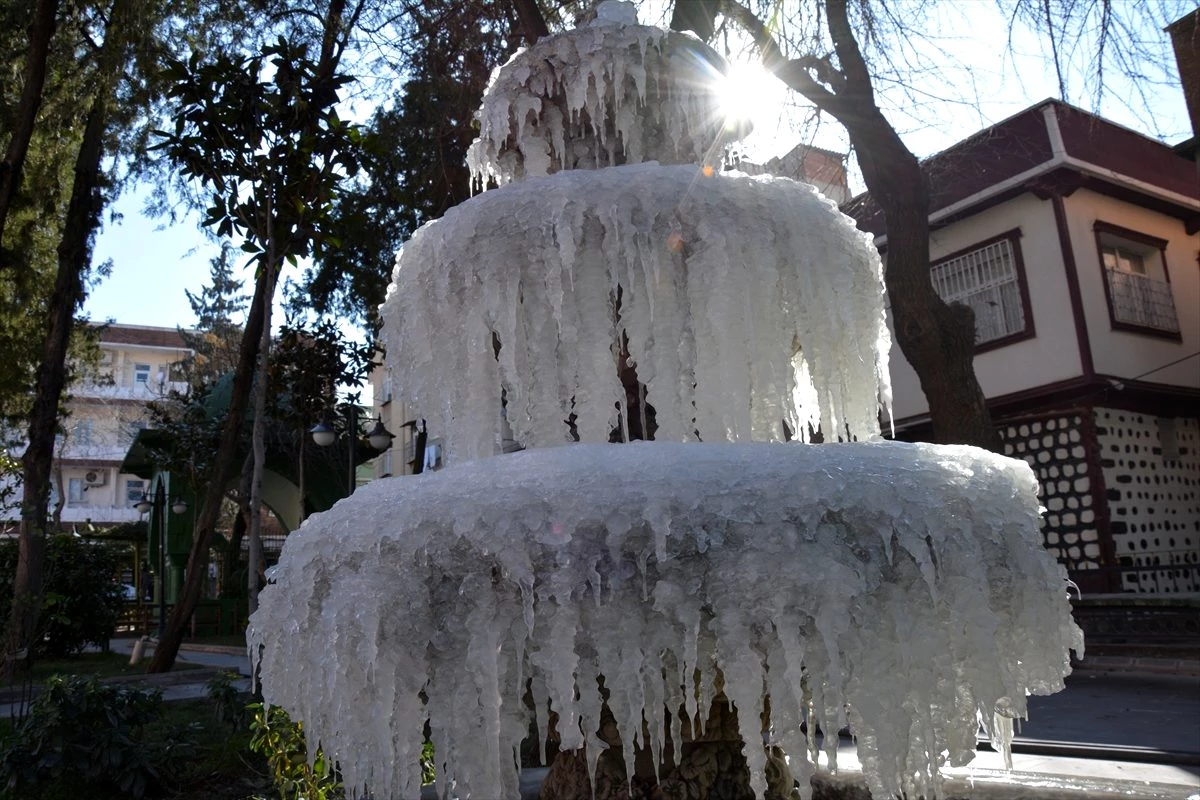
{"x": 103, "y": 414}
{"x": 824, "y": 169}
{"x": 1077, "y": 244}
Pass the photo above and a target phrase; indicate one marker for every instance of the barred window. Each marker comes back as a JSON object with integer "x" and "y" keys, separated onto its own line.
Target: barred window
{"x": 988, "y": 280}
{"x": 1137, "y": 284}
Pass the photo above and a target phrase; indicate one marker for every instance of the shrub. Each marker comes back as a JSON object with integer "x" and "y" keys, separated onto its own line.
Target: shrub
{"x": 81, "y": 601}
{"x": 83, "y": 739}
{"x": 228, "y": 703}
{"x": 281, "y": 741}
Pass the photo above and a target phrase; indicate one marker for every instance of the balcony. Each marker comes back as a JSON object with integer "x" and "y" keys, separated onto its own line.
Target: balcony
{"x": 143, "y": 392}
{"x": 100, "y": 515}
{"x": 1141, "y": 302}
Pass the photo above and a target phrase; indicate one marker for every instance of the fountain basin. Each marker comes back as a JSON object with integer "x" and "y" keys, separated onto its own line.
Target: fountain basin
{"x": 899, "y": 589}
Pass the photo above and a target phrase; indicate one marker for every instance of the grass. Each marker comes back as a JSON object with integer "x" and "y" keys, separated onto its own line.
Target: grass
{"x": 211, "y": 758}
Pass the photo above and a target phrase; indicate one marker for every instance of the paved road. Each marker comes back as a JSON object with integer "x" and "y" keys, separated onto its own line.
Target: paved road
{"x": 1134, "y": 710}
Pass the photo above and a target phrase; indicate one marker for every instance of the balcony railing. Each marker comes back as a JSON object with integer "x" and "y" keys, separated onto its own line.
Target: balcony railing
{"x": 1141, "y": 301}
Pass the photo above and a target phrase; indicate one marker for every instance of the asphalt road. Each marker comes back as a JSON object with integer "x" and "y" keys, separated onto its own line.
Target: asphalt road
{"x": 1161, "y": 712}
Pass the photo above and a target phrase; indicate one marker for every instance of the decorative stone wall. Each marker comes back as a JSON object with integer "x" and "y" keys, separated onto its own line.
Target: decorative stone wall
{"x": 1056, "y": 448}
{"x": 1153, "y": 498}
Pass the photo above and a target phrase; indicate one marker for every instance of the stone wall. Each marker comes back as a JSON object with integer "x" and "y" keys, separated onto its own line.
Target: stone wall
{"x": 1153, "y": 498}
{"x": 1056, "y": 448}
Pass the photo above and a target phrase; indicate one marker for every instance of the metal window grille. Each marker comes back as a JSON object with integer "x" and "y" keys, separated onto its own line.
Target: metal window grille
{"x": 1138, "y": 300}
{"x": 986, "y": 280}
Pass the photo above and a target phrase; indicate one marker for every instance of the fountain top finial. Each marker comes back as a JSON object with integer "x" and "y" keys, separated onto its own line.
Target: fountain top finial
{"x": 614, "y": 12}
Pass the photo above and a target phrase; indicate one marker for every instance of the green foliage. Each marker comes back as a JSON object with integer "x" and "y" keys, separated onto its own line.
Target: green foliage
{"x": 228, "y": 705}
{"x": 83, "y": 739}
{"x": 217, "y": 335}
{"x": 270, "y": 152}
{"x": 281, "y": 741}
{"x": 81, "y": 599}
{"x": 310, "y": 361}
{"x": 414, "y": 161}
{"x": 10, "y": 477}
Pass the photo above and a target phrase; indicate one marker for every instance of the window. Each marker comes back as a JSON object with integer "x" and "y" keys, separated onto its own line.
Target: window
{"x": 75, "y": 490}
{"x": 141, "y": 373}
{"x": 83, "y": 433}
{"x": 1137, "y": 285}
{"x": 1120, "y": 258}
{"x": 990, "y": 278}
{"x": 134, "y": 489}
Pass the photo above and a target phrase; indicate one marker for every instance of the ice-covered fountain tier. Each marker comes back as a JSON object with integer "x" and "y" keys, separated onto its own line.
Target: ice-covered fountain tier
{"x": 898, "y": 589}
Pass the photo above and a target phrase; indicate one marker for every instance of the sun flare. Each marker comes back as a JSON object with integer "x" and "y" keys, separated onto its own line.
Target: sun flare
{"x": 748, "y": 93}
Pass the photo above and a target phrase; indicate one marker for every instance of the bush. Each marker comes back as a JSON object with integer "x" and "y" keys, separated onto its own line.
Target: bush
{"x": 81, "y": 601}
{"x": 281, "y": 741}
{"x": 83, "y": 739}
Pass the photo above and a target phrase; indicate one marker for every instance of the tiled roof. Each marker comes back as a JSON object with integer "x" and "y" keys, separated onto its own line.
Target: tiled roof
{"x": 143, "y": 335}
{"x": 1022, "y": 143}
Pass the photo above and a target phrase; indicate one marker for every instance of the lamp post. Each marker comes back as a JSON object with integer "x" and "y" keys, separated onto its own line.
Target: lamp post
{"x": 379, "y": 438}
{"x": 159, "y": 506}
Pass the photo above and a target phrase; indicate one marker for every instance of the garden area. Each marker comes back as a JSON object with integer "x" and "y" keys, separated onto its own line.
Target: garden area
{"x": 86, "y": 736}
{"x": 81, "y": 721}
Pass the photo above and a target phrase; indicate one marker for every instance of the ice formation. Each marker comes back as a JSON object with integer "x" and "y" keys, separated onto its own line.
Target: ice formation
{"x": 899, "y": 589}
{"x": 902, "y": 589}
{"x": 612, "y": 92}
{"x": 746, "y": 302}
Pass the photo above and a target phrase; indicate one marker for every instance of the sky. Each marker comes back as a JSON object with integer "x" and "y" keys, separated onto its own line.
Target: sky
{"x": 967, "y": 76}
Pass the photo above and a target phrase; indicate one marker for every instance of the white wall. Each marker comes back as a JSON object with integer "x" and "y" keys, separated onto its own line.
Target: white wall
{"x": 1053, "y": 355}
{"x": 1126, "y": 354}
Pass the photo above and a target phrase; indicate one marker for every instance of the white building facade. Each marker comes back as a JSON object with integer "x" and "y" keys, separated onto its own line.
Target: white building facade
{"x": 103, "y": 415}
{"x": 1077, "y": 244}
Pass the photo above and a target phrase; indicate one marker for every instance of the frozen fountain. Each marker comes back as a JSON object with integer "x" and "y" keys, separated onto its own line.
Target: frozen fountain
{"x": 614, "y": 286}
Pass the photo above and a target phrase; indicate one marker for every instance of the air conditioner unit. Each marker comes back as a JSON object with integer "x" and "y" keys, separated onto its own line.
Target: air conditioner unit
{"x": 96, "y": 478}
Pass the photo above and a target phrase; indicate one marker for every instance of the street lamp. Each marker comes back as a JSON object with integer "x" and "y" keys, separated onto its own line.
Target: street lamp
{"x": 379, "y": 438}
{"x": 159, "y": 504}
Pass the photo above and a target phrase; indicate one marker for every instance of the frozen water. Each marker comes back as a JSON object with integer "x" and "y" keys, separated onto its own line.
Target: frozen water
{"x": 902, "y": 589}
{"x": 746, "y": 303}
{"x": 611, "y": 92}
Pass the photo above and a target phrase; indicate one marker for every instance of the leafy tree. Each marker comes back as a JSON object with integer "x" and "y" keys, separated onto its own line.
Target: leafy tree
{"x": 415, "y": 148}
{"x": 271, "y": 152}
{"x": 214, "y": 340}
{"x": 113, "y": 57}
{"x": 82, "y": 596}
{"x": 42, "y": 22}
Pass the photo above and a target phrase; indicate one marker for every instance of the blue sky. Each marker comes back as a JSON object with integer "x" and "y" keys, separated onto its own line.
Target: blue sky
{"x": 975, "y": 62}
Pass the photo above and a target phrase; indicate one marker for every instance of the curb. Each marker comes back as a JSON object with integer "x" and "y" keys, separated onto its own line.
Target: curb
{"x": 1135, "y": 665}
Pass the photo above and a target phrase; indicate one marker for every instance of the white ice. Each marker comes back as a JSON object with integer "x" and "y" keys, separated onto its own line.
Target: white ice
{"x": 747, "y": 303}
{"x": 902, "y": 589}
{"x": 611, "y": 92}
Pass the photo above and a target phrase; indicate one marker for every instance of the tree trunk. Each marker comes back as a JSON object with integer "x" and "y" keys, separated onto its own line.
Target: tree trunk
{"x": 937, "y": 339}
{"x": 533, "y": 24}
{"x": 197, "y": 566}
{"x": 74, "y": 257}
{"x": 41, "y": 31}
{"x": 255, "y": 555}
